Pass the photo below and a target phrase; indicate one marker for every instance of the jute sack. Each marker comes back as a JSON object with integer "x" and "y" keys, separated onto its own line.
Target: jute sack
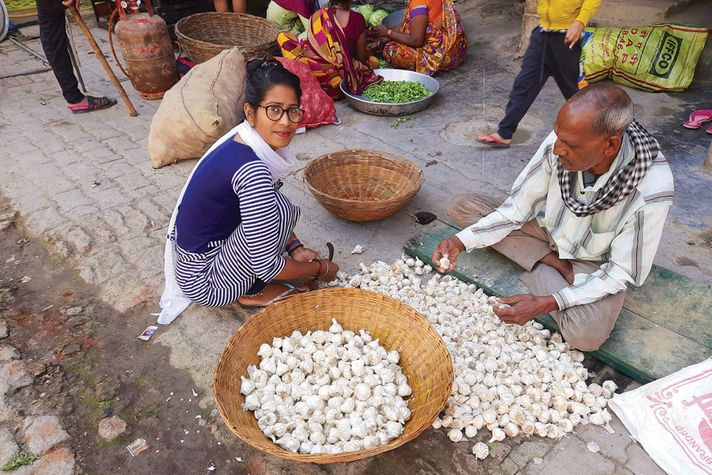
{"x": 199, "y": 109}
{"x": 652, "y": 58}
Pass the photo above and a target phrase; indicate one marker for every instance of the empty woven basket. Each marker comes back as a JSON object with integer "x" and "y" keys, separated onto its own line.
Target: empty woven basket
{"x": 362, "y": 185}
{"x": 423, "y": 357}
{"x": 204, "y": 35}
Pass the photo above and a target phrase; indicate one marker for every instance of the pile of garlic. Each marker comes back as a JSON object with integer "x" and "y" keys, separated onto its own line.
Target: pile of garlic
{"x": 327, "y": 392}
{"x": 509, "y": 379}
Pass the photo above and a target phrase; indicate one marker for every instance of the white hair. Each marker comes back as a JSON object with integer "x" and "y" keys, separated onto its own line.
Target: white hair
{"x": 614, "y": 108}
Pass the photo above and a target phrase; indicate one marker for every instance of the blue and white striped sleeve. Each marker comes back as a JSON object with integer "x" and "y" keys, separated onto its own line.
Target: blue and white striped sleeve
{"x": 253, "y": 186}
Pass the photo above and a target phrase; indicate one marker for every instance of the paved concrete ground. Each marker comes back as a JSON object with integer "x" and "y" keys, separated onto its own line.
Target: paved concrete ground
{"x": 85, "y": 184}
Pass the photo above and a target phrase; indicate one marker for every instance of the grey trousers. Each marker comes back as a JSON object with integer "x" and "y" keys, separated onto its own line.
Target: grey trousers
{"x": 584, "y": 327}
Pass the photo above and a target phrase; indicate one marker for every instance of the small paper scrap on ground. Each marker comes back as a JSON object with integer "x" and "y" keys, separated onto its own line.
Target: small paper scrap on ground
{"x": 593, "y": 447}
{"x": 148, "y": 333}
{"x": 137, "y": 446}
{"x": 358, "y": 249}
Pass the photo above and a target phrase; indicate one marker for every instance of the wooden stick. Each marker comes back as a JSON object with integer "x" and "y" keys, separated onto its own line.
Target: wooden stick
{"x": 102, "y": 60}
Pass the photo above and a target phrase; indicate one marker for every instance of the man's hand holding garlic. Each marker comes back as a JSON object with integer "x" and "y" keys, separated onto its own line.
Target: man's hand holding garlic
{"x": 448, "y": 249}
{"x": 524, "y": 307}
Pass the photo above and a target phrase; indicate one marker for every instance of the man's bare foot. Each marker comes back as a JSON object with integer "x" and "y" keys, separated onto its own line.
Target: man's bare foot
{"x": 494, "y": 140}
{"x": 565, "y": 268}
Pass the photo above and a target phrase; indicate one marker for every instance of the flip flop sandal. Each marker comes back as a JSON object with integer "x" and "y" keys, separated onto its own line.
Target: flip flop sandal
{"x": 93, "y": 104}
{"x": 492, "y": 143}
{"x": 290, "y": 292}
{"x": 697, "y": 118}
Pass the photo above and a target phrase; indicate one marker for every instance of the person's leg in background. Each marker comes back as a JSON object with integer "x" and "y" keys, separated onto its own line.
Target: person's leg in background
{"x": 53, "y": 35}
{"x": 562, "y": 62}
{"x": 221, "y": 6}
{"x": 239, "y": 6}
{"x": 527, "y": 86}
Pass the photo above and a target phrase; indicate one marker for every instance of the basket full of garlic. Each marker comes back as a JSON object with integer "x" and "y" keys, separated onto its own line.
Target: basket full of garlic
{"x": 354, "y": 374}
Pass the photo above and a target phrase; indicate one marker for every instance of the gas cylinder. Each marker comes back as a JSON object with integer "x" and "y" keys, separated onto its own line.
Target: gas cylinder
{"x": 146, "y": 48}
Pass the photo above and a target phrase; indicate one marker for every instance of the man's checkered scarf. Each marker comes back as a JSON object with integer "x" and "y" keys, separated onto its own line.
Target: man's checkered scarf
{"x": 621, "y": 184}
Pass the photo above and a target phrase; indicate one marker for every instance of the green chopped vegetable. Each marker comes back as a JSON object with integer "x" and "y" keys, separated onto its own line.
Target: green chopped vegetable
{"x": 396, "y": 92}
{"x": 377, "y": 18}
{"x": 21, "y": 459}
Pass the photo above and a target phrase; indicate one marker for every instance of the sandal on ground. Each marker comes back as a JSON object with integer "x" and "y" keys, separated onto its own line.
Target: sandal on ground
{"x": 246, "y": 302}
{"x": 697, "y": 118}
{"x": 93, "y": 104}
{"x": 491, "y": 141}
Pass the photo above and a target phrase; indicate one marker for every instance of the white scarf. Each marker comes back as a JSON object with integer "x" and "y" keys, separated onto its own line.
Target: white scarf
{"x": 280, "y": 162}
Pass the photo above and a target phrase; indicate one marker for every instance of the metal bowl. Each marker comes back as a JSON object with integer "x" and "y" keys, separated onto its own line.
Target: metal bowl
{"x": 394, "y": 19}
{"x": 360, "y": 103}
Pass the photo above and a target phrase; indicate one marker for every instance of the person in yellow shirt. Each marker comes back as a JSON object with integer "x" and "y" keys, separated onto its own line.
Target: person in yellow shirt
{"x": 554, "y": 50}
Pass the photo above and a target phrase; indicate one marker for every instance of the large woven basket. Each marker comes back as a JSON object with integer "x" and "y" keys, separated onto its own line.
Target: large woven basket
{"x": 362, "y": 185}
{"x": 204, "y": 35}
{"x": 423, "y": 357}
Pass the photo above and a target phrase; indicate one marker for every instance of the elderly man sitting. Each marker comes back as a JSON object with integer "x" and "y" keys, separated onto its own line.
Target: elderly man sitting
{"x": 584, "y": 218}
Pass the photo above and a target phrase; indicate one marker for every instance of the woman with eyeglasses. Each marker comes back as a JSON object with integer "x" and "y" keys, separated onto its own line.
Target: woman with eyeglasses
{"x": 231, "y": 236}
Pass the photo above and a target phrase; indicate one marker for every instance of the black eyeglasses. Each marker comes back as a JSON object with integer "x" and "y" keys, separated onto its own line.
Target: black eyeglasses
{"x": 275, "y": 113}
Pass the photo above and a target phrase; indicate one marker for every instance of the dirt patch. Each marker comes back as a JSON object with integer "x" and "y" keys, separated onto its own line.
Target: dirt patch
{"x": 88, "y": 364}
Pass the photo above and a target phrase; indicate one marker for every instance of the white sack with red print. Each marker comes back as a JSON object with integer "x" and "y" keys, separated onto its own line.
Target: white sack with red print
{"x": 672, "y": 419}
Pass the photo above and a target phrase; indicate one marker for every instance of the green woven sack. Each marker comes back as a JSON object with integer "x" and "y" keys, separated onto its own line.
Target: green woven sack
{"x": 651, "y": 58}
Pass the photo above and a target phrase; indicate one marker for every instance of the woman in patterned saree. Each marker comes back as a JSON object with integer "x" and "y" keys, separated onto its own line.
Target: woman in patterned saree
{"x": 334, "y": 50}
{"x": 430, "y": 39}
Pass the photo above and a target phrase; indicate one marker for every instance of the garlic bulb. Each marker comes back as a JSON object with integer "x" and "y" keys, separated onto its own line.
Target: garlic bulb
{"x": 480, "y": 450}
{"x": 454, "y": 435}
{"x": 327, "y": 392}
{"x": 497, "y": 434}
{"x": 247, "y": 386}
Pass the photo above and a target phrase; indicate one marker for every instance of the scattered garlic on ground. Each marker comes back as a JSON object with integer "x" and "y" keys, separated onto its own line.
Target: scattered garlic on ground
{"x": 509, "y": 379}
{"x": 593, "y": 447}
{"x": 358, "y": 249}
{"x": 480, "y": 450}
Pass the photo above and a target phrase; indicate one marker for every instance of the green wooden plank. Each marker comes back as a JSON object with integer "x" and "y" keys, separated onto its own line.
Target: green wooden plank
{"x": 638, "y": 346}
{"x": 676, "y": 302}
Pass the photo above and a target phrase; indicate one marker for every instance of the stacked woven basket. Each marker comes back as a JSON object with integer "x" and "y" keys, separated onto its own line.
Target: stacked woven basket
{"x": 204, "y": 35}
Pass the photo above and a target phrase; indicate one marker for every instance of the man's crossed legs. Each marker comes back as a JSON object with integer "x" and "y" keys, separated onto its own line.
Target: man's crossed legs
{"x": 585, "y": 327}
